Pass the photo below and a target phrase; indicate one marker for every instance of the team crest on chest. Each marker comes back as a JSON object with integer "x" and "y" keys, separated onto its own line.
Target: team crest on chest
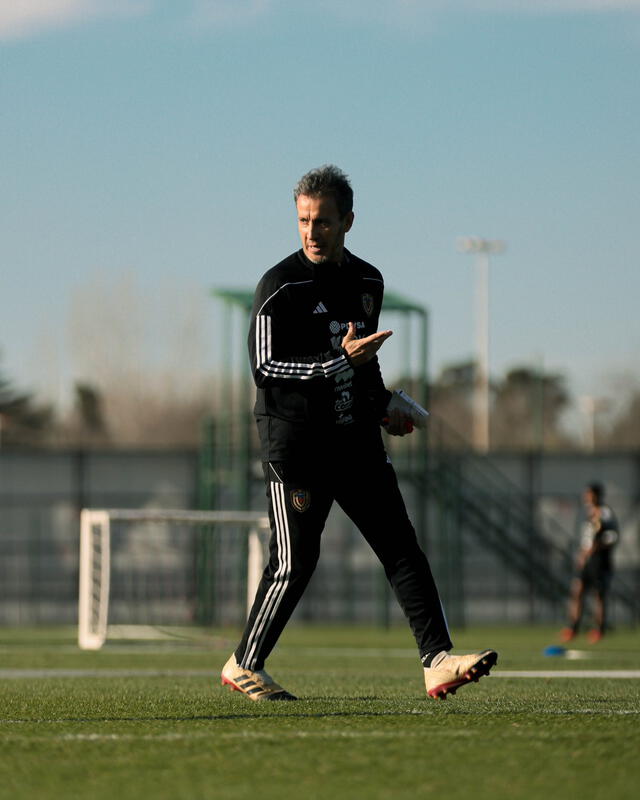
{"x": 367, "y": 304}
{"x": 301, "y": 499}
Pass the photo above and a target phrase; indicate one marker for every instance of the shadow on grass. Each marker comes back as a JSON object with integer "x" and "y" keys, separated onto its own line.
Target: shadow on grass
{"x": 309, "y": 714}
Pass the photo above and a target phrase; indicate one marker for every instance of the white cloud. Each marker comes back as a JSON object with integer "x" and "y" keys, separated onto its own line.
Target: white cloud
{"x": 23, "y": 18}
{"x": 554, "y": 6}
{"x": 417, "y": 8}
{"x": 420, "y": 16}
{"x": 230, "y": 12}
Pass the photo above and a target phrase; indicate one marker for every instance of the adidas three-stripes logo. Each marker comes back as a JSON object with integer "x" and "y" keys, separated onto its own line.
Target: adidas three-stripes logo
{"x": 320, "y": 309}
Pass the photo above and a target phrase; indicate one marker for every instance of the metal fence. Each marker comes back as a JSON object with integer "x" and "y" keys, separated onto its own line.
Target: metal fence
{"x": 42, "y": 493}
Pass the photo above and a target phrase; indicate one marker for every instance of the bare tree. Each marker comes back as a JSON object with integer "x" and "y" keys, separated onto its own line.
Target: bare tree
{"x": 143, "y": 355}
{"x": 620, "y": 427}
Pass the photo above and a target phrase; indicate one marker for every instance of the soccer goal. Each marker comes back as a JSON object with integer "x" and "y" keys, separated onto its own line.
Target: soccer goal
{"x": 141, "y": 569}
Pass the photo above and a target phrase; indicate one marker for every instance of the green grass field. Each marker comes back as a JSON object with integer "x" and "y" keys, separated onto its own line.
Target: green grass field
{"x": 150, "y": 720}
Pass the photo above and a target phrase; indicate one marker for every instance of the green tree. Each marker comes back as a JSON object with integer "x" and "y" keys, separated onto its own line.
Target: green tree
{"x": 527, "y": 409}
{"x": 625, "y": 429}
{"x": 22, "y": 420}
{"x": 526, "y": 406}
{"x": 451, "y": 398}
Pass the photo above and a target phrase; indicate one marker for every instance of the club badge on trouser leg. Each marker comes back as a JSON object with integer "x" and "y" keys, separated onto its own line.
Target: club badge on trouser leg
{"x": 300, "y": 499}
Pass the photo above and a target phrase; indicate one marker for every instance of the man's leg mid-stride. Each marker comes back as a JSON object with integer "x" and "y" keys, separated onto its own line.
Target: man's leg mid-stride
{"x": 384, "y": 522}
{"x": 297, "y": 512}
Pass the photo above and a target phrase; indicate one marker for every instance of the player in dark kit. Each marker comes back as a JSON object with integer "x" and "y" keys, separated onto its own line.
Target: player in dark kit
{"x": 594, "y": 566}
{"x": 320, "y": 405}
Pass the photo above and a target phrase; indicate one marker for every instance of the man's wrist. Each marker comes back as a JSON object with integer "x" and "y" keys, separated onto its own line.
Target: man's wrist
{"x": 348, "y": 357}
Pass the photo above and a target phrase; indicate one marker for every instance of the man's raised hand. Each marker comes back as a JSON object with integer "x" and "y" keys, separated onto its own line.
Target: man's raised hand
{"x": 362, "y": 350}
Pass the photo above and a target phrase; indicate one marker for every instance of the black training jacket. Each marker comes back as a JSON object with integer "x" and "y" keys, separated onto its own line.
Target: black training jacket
{"x": 308, "y": 394}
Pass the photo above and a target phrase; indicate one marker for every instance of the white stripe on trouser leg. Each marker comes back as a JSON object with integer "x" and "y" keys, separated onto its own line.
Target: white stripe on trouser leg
{"x": 278, "y": 588}
{"x": 283, "y": 573}
{"x": 281, "y": 577}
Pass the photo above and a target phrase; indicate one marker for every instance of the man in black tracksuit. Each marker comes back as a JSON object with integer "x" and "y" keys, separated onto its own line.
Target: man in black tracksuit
{"x": 320, "y": 405}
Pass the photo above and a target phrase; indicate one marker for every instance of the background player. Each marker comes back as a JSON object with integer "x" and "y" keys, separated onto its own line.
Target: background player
{"x": 594, "y": 564}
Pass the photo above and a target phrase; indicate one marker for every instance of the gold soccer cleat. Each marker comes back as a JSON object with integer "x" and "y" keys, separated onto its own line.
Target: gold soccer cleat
{"x": 257, "y": 685}
{"x": 447, "y": 673}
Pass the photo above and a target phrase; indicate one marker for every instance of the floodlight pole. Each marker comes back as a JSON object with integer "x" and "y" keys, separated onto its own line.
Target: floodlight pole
{"x": 591, "y": 406}
{"x": 482, "y": 248}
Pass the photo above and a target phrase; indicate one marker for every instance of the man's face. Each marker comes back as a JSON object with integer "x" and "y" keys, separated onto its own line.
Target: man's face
{"x": 321, "y": 227}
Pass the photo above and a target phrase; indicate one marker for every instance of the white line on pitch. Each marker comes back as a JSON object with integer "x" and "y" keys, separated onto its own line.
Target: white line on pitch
{"x": 105, "y": 673}
{"x": 327, "y": 733}
{"x": 567, "y": 673}
{"x": 197, "y": 673}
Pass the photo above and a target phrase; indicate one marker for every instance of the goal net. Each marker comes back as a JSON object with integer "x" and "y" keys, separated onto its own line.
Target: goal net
{"x": 142, "y": 569}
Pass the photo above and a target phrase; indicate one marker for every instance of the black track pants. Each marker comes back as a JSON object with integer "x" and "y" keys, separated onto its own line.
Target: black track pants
{"x": 298, "y": 508}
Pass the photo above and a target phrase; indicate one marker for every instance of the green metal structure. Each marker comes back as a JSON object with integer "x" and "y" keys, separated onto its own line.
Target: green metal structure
{"x": 459, "y": 496}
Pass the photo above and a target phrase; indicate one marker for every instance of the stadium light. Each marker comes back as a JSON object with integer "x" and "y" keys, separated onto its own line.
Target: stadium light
{"x": 482, "y": 249}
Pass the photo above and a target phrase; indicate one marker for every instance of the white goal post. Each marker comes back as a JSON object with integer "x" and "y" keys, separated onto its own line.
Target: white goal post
{"x": 96, "y": 557}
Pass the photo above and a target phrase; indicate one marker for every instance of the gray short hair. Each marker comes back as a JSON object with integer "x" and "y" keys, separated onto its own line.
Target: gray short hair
{"x": 327, "y": 180}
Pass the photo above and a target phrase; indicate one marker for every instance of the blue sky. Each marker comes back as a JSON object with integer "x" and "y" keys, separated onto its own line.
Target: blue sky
{"x": 150, "y": 148}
